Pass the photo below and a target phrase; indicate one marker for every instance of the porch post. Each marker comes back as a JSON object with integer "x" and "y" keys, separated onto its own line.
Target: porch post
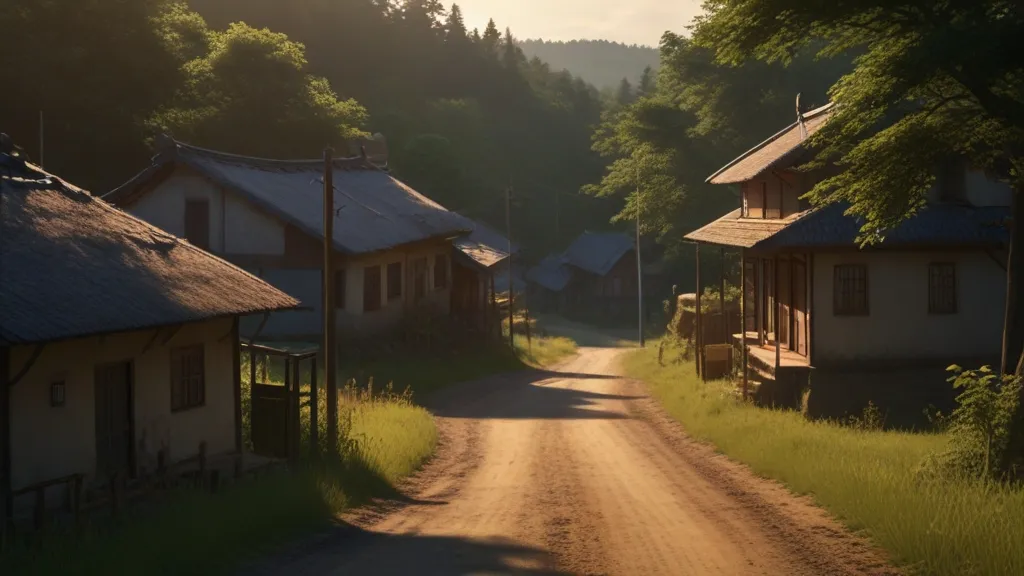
{"x": 697, "y": 323}
{"x": 792, "y": 303}
{"x": 721, "y": 300}
{"x": 314, "y": 410}
{"x": 777, "y": 309}
{"x": 296, "y": 428}
{"x": 810, "y": 308}
{"x": 762, "y": 302}
{"x": 236, "y": 384}
{"x": 5, "y": 444}
{"x": 743, "y": 317}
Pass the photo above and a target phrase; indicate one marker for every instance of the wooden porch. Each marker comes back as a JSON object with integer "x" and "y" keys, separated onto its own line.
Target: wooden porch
{"x": 763, "y": 357}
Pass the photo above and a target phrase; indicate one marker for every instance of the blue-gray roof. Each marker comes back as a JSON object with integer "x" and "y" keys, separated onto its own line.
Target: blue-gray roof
{"x": 375, "y": 211}
{"x": 598, "y": 252}
{"x": 934, "y": 225}
{"x": 484, "y": 246}
{"x": 550, "y": 273}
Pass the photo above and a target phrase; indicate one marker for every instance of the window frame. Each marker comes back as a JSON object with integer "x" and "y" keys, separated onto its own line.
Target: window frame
{"x": 394, "y": 278}
{"x": 936, "y": 272}
{"x": 190, "y": 359}
{"x": 372, "y": 298}
{"x": 845, "y": 305}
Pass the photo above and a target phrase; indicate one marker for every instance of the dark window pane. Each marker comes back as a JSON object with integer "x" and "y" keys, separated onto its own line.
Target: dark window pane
{"x": 340, "y": 290}
{"x": 394, "y": 281}
{"x": 942, "y": 288}
{"x": 197, "y": 223}
{"x": 850, "y": 285}
{"x": 188, "y": 378}
{"x": 371, "y": 288}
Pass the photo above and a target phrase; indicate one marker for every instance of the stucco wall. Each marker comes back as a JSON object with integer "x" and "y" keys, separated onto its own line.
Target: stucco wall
{"x": 48, "y": 442}
{"x": 235, "y": 226}
{"x": 899, "y": 325}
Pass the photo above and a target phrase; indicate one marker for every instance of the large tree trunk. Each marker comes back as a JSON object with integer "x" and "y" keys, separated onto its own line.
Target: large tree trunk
{"x": 1013, "y": 328}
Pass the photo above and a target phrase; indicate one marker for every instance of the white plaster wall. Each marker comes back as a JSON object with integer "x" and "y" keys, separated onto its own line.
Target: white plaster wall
{"x": 984, "y": 192}
{"x": 236, "y": 227}
{"x": 48, "y": 442}
{"x": 899, "y": 325}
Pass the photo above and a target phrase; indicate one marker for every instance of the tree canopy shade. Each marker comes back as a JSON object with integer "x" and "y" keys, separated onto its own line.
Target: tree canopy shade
{"x": 251, "y": 94}
{"x": 935, "y": 79}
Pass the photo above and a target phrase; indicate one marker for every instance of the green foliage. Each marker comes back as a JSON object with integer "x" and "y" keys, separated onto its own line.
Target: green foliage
{"x": 697, "y": 117}
{"x": 865, "y": 478}
{"x": 979, "y": 428}
{"x": 251, "y": 94}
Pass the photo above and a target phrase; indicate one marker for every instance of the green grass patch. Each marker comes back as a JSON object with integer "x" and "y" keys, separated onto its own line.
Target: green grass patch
{"x": 867, "y": 479}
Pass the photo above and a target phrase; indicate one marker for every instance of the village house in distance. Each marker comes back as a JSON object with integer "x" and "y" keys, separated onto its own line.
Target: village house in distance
{"x": 880, "y": 323}
{"x": 119, "y": 343}
{"x": 394, "y": 247}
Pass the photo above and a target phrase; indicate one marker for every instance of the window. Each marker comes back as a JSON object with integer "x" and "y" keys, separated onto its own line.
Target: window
{"x": 340, "y": 289}
{"x": 197, "y": 223}
{"x": 57, "y": 390}
{"x": 419, "y": 279}
{"x": 394, "y": 281}
{"x": 188, "y": 378}
{"x": 371, "y": 288}
{"x": 941, "y": 288}
{"x": 851, "y": 290}
{"x": 440, "y": 272}
{"x": 773, "y": 202}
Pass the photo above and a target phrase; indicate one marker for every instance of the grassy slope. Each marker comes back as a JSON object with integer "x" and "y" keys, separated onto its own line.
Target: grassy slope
{"x": 867, "y": 479}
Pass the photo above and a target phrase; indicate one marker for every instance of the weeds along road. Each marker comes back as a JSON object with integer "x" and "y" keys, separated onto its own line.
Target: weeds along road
{"x": 576, "y": 471}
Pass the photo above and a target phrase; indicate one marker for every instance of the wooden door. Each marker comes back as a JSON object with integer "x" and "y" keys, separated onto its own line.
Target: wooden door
{"x": 800, "y": 328}
{"x": 114, "y": 418}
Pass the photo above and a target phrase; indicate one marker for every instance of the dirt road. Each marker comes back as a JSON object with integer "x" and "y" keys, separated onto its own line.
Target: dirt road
{"x": 576, "y": 471}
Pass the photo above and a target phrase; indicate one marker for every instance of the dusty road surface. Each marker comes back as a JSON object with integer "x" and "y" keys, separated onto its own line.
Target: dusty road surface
{"x": 576, "y": 471}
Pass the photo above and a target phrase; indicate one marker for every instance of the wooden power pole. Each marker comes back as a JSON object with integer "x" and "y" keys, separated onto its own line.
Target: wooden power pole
{"x": 330, "y": 344}
{"x": 508, "y": 231}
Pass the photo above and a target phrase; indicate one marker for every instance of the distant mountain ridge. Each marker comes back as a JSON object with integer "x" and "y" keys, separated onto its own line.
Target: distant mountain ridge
{"x": 602, "y": 63}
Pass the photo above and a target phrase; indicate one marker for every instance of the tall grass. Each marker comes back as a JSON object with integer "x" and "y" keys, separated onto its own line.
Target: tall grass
{"x": 868, "y": 479}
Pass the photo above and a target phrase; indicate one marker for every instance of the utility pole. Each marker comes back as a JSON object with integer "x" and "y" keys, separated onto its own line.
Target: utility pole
{"x": 508, "y": 232}
{"x": 330, "y": 344}
{"x": 639, "y": 266}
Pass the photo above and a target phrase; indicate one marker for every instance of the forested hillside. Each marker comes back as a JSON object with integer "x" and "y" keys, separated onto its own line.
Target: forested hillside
{"x": 600, "y": 62}
{"x": 465, "y": 113}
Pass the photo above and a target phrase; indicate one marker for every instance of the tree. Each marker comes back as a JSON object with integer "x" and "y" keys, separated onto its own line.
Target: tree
{"x": 455, "y": 27}
{"x": 625, "y": 95}
{"x": 510, "y": 53}
{"x": 647, "y": 82}
{"x": 251, "y": 94}
{"x": 491, "y": 39}
{"x": 934, "y": 79}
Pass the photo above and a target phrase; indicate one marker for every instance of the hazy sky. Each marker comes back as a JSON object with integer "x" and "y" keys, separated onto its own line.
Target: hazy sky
{"x": 632, "y": 21}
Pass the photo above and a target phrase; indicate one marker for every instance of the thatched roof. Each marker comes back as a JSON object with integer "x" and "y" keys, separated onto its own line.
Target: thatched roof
{"x": 938, "y": 225}
{"x": 72, "y": 265}
{"x": 774, "y": 151}
{"x": 374, "y": 211}
{"x": 485, "y": 246}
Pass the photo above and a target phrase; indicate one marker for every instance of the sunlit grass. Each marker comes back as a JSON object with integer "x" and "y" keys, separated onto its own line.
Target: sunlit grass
{"x": 866, "y": 479}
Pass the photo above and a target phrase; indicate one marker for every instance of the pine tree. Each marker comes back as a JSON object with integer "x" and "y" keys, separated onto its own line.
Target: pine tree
{"x": 624, "y": 96}
{"x": 491, "y": 38}
{"x": 510, "y": 52}
{"x": 647, "y": 82}
{"x": 455, "y": 26}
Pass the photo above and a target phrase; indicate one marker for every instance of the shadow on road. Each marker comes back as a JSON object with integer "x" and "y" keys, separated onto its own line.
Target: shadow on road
{"x": 525, "y": 395}
{"x": 358, "y": 551}
{"x": 587, "y": 336}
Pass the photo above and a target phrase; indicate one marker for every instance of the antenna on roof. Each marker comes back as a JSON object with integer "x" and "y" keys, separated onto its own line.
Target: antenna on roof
{"x": 800, "y": 118}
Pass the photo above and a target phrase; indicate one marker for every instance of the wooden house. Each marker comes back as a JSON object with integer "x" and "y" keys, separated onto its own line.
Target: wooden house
{"x": 480, "y": 260}
{"x": 393, "y": 246}
{"x": 119, "y": 342}
{"x": 876, "y": 324}
{"x": 594, "y": 278}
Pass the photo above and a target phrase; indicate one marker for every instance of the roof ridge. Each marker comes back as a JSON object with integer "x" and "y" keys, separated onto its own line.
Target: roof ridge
{"x": 805, "y": 116}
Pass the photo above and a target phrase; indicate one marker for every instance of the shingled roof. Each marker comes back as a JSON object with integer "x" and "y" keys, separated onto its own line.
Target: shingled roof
{"x": 71, "y": 265}
{"x": 375, "y": 211}
{"x": 779, "y": 149}
{"x": 732, "y": 230}
{"x": 551, "y": 273}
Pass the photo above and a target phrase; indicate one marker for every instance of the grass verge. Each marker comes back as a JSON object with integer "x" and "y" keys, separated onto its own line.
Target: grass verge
{"x": 866, "y": 479}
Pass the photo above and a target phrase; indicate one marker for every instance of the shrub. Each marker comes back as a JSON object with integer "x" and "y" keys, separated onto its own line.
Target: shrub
{"x": 979, "y": 428}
